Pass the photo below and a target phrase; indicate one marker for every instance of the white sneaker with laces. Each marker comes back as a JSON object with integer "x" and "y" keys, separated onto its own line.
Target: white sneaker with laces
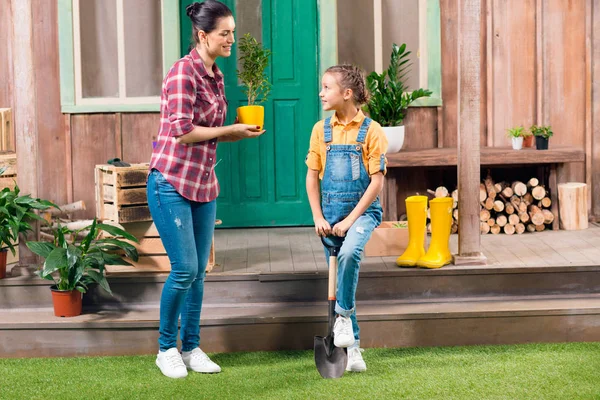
{"x": 198, "y": 361}
{"x": 343, "y": 335}
{"x": 355, "y": 360}
{"x": 171, "y": 364}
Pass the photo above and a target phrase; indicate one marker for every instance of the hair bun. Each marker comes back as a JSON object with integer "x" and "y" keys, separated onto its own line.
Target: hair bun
{"x": 193, "y": 9}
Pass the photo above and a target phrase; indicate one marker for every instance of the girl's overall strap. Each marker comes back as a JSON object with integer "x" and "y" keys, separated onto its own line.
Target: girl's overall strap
{"x": 362, "y": 133}
{"x": 327, "y": 135}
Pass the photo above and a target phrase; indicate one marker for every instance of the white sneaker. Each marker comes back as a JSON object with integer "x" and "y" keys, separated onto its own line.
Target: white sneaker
{"x": 171, "y": 364}
{"x": 198, "y": 361}
{"x": 343, "y": 336}
{"x": 355, "y": 360}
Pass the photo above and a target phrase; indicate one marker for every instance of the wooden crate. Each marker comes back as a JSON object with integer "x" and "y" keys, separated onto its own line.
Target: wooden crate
{"x": 7, "y": 135}
{"x": 8, "y": 179}
{"x": 153, "y": 257}
{"x": 121, "y": 193}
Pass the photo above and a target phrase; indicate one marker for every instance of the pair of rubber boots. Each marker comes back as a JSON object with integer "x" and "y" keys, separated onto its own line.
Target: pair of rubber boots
{"x": 438, "y": 254}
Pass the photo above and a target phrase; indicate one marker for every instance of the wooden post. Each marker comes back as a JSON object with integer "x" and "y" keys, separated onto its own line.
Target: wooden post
{"x": 469, "y": 117}
{"x": 595, "y": 178}
{"x": 24, "y": 117}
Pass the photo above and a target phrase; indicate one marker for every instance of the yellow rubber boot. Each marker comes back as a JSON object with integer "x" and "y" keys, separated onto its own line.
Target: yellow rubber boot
{"x": 438, "y": 254}
{"x": 416, "y": 212}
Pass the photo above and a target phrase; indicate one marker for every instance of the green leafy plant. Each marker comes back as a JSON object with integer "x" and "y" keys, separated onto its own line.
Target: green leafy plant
{"x": 517, "y": 132}
{"x": 73, "y": 265}
{"x": 400, "y": 224}
{"x": 16, "y": 213}
{"x": 542, "y": 131}
{"x": 389, "y": 91}
{"x": 254, "y": 60}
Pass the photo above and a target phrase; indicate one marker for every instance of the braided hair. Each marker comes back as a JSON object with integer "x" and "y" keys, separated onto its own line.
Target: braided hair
{"x": 351, "y": 77}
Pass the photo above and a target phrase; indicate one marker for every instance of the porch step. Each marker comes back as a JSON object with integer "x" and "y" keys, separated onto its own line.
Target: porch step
{"x": 402, "y": 284}
{"x": 227, "y": 327}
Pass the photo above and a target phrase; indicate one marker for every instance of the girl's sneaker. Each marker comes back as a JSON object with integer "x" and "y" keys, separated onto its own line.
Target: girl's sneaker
{"x": 343, "y": 335}
{"x": 198, "y": 361}
{"x": 171, "y": 364}
{"x": 355, "y": 360}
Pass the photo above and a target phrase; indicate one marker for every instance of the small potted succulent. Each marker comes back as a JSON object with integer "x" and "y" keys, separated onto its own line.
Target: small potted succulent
{"x": 390, "y": 97}
{"x": 541, "y": 134}
{"x": 516, "y": 136}
{"x": 254, "y": 60}
{"x": 76, "y": 259}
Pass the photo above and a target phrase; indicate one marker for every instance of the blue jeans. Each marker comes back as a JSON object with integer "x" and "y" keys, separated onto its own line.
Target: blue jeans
{"x": 186, "y": 229}
{"x": 349, "y": 258}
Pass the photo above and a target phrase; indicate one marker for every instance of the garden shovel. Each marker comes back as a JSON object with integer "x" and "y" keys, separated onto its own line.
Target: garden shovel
{"x": 330, "y": 360}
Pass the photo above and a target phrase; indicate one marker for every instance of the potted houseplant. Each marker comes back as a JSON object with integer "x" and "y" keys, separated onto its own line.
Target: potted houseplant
{"x": 516, "y": 136}
{"x": 254, "y": 60}
{"x": 16, "y": 211}
{"x": 542, "y": 134}
{"x": 390, "y": 97}
{"x": 527, "y": 138}
{"x": 75, "y": 259}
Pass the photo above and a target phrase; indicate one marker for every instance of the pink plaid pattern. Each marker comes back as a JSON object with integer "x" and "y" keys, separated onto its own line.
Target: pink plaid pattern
{"x": 190, "y": 96}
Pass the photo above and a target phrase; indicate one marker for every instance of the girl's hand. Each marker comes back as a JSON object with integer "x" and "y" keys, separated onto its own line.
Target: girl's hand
{"x": 247, "y": 131}
{"x": 341, "y": 227}
{"x": 322, "y": 227}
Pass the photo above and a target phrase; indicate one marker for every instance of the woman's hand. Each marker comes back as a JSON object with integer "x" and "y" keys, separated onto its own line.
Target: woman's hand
{"x": 322, "y": 227}
{"x": 341, "y": 227}
{"x": 246, "y": 131}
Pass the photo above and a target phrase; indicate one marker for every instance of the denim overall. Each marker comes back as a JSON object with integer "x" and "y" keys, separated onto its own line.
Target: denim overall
{"x": 344, "y": 182}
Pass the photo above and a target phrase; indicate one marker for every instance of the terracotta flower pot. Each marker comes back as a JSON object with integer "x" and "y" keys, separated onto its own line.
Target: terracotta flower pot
{"x": 528, "y": 141}
{"x": 3, "y": 254}
{"x": 67, "y": 303}
{"x": 252, "y": 115}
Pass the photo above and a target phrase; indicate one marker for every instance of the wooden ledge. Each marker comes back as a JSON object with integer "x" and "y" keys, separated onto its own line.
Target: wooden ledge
{"x": 489, "y": 156}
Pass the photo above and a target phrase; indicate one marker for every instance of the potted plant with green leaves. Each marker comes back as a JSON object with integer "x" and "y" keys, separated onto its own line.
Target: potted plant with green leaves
{"x": 77, "y": 258}
{"x": 390, "y": 96}
{"x": 254, "y": 59}
{"x": 541, "y": 134}
{"x": 516, "y": 136}
{"x": 16, "y": 213}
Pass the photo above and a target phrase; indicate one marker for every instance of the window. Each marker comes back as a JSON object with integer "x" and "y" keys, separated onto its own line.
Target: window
{"x": 367, "y": 29}
{"x": 115, "y": 53}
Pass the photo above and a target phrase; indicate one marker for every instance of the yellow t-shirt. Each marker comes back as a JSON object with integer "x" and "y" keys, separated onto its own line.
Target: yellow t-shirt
{"x": 374, "y": 148}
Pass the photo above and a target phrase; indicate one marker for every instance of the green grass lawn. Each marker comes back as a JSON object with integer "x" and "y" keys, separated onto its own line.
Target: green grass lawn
{"x": 540, "y": 371}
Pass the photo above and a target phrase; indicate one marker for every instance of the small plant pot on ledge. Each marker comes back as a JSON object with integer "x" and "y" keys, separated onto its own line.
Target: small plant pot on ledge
{"x": 528, "y": 141}
{"x": 541, "y": 143}
{"x": 395, "y": 137}
{"x": 67, "y": 303}
{"x": 252, "y": 115}
{"x": 3, "y": 254}
{"x": 517, "y": 143}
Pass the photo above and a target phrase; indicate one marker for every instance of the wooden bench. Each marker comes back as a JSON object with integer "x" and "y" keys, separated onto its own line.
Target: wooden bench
{"x": 553, "y": 160}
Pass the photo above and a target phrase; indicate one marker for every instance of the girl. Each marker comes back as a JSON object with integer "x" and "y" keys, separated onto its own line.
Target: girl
{"x": 347, "y": 154}
{"x": 182, "y": 186}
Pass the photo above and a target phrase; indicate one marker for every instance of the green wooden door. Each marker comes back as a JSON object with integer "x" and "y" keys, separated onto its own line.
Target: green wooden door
{"x": 262, "y": 180}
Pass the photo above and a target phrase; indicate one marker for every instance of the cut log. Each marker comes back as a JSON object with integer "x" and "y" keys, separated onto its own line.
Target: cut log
{"x": 508, "y": 192}
{"x": 509, "y": 208}
{"x": 484, "y": 215}
{"x": 539, "y": 228}
{"x": 572, "y": 201}
{"x": 482, "y": 192}
{"x": 489, "y": 186}
{"x": 491, "y": 221}
{"x": 495, "y": 229}
{"x": 498, "y": 206}
{"x": 528, "y": 199}
{"x": 548, "y": 216}
{"x": 455, "y": 214}
{"x": 546, "y": 202}
{"x": 489, "y": 204}
{"x": 501, "y": 220}
{"x": 519, "y": 188}
{"x": 509, "y": 229}
{"x": 538, "y": 192}
{"x": 533, "y": 182}
{"x": 68, "y": 208}
{"x": 441, "y": 191}
{"x": 498, "y": 187}
{"x": 454, "y": 228}
{"x": 484, "y": 228}
{"x": 514, "y": 219}
{"x": 519, "y": 228}
{"x": 530, "y": 228}
{"x": 524, "y": 217}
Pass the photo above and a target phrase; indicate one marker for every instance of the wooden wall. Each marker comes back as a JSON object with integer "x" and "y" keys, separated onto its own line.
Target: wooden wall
{"x": 538, "y": 57}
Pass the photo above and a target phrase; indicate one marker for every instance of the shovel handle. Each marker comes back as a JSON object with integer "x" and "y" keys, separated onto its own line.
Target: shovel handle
{"x": 333, "y": 253}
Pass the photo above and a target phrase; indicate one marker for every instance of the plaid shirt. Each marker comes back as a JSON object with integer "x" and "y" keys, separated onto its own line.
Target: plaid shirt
{"x": 190, "y": 96}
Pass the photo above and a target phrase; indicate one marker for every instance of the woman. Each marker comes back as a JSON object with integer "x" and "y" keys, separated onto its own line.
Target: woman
{"x": 182, "y": 186}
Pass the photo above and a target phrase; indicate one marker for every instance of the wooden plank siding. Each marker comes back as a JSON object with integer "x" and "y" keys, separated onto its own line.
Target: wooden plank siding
{"x": 534, "y": 70}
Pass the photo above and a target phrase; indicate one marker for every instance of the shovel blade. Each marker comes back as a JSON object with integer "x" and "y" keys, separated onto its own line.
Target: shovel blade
{"x": 330, "y": 360}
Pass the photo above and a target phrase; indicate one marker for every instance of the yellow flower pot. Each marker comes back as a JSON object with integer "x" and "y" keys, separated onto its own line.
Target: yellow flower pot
{"x": 251, "y": 115}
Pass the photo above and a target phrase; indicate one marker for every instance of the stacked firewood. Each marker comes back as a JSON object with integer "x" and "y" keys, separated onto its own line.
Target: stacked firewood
{"x": 514, "y": 208}
{"x": 507, "y": 207}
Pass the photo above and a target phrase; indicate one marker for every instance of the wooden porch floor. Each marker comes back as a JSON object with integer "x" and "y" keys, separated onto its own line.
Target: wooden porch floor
{"x": 285, "y": 250}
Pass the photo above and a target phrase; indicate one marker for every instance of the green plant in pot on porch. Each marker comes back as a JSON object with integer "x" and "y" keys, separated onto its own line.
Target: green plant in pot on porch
{"x": 541, "y": 134}
{"x": 77, "y": 258}
{"x": 16, "y": 213}
{"x": 390, "y": 96}
{"x": 516, "y": 136}
{"x": 254, "y": 60}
